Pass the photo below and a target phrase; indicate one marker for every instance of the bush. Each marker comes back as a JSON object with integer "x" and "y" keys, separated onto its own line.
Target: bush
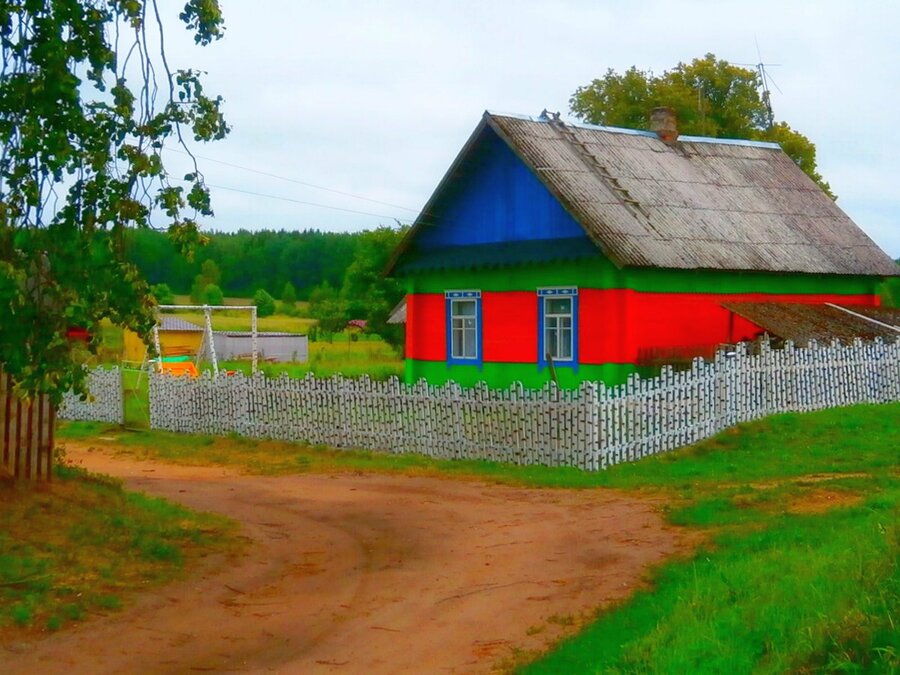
{"x": 212, "y": 295}
{"x": 265, "y": 303}
{"x": 163, "y": 294}
{"x": 287, "y": 308}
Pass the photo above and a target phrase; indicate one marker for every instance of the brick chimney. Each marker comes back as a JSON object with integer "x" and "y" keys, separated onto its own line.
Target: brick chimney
{"x": 663, "y": 122}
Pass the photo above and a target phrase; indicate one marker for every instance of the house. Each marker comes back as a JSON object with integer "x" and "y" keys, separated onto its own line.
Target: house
{"x": 578, "y": 252}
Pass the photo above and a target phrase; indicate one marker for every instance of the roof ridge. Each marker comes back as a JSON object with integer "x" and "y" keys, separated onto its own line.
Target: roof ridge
{"x": 642, "y": 132}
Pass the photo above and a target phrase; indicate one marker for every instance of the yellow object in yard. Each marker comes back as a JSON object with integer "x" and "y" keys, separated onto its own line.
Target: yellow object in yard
{"x": 177, "y": 337}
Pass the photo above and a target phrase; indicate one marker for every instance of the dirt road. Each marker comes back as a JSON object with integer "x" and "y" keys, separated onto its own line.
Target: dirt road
{"x": 366, "y": 574}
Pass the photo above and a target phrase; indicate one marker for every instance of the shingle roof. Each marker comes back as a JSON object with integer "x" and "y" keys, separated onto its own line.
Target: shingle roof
{"x": 700, "y": 204}
{"x": 174, "y": 323}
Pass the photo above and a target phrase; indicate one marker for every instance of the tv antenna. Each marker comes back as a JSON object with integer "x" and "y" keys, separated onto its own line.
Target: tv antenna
{"x": 764, "y": 79}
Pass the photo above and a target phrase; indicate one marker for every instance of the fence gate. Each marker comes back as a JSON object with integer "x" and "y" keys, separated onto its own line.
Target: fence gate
{"x": 26, "y": 433}
{"x": 135, "y": 406}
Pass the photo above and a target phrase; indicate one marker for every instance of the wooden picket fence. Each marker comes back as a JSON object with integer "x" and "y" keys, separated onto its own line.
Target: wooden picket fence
{"x": 592, "y": 427}
{"x": 26, "y": 433}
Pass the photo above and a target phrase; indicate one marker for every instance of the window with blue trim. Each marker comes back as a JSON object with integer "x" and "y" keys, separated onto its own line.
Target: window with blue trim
{"x": 463, "y": 327}
{"x": 558, "y": 327}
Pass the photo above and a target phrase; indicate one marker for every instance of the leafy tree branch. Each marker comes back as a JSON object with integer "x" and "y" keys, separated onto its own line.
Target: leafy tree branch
{"x": 87, "y": 103}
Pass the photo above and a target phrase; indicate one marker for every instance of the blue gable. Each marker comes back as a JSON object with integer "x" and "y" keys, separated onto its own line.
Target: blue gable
{"x": 493, "y": 197}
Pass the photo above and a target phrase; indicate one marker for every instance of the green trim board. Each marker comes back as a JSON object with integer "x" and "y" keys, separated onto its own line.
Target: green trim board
{"x": 599, "y": 272}
{"x": 502, "y": 375}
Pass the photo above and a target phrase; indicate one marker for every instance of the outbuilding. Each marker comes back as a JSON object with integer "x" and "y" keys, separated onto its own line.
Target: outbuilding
{"x": 271, "y": 346}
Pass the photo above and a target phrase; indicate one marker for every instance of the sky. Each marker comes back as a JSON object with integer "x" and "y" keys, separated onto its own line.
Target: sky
{"x": 373, "y": 100}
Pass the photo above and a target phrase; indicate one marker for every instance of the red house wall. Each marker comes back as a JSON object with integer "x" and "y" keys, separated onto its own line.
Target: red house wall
{"x": 614, "y": 325}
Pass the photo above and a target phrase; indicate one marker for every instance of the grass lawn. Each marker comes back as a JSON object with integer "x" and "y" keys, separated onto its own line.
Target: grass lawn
{"x": 799, "y": 572}
{"x": 82, "y": 545}
{"x": 371, "y": 357}
{"x": 239, "y": 320}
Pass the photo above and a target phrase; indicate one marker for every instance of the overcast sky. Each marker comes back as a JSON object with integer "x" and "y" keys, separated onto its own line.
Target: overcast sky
{"x": 375, "y": 99}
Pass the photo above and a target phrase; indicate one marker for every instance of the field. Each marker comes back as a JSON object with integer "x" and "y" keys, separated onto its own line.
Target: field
{"x": 799, "y": 515}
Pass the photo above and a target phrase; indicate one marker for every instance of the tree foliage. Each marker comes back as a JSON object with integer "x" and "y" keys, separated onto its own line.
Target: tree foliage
{"x": 328, "y": 308}
{"x": 212, "y": 295}
{"x": 710, "y": 96}
{"x": 163, "y": 294}
{"x": 265, "y": 303}
{"x": 249, "y": 260}
{"x": 367, "y": 293}
{"x": 289, "y": 293}
{"x": 86, "y": 103}
{"x": 209, "y": 276}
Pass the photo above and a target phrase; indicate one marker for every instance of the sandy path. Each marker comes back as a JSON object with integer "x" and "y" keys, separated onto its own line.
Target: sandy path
{"x": 365, "y": 574}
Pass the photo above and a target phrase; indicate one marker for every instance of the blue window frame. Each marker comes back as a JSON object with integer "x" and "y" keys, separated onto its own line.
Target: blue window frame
{"x": 463, "y": 327}
{"x": 558, "y": 327}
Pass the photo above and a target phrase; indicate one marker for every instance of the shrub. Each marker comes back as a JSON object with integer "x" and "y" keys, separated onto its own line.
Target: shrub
{"x": 265, "y": 303}
{"x": 163, "y": 294}
{"x": 287, "y": 308}
{"x": 212, "y": 295}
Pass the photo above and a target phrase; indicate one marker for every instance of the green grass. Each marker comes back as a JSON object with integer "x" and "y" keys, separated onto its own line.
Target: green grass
{"x": 783, "y": 584}
{"x": 82, "y": 545}
{"x": 371, "y": 357}
{"x": 239, "y": 319}
{"x": 135, "y": 390}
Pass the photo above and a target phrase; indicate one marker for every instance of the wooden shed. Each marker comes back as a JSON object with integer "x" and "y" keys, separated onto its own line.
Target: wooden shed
{"x": 589, "y": 252}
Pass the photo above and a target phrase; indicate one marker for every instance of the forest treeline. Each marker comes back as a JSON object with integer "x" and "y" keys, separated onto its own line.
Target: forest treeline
{"x": 250, "y": 261}
{"x": 339, "y": 273}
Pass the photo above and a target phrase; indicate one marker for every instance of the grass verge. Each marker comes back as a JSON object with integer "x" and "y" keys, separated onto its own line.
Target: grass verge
{"x": 82, "y": 545}
{"x": 800, "y": 573}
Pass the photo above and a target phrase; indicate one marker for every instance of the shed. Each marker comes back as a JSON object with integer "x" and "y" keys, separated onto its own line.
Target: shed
{"x": 271, "y": 346}
{"x": 822, "y": 323}
{"x": 177, "y": 337}
{"x": 573, "y": 251}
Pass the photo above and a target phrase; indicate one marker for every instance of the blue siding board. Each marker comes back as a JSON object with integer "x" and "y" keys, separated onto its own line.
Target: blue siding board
{"x": 495, "y": 198}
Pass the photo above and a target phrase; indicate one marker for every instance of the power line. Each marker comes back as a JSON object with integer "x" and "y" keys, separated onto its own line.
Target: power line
{"x": 299, "y": 201}
{"x": 294, "y": 180}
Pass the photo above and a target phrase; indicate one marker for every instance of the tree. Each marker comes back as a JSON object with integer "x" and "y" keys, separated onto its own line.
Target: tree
{"x": 83, "y": 121}
{"x": 265, "y": 303}
{"x": 209, "y": 276}
{"x": 210, "y": 271}
{"x": 328, "y": 308}
{"x": 212, "y": 295}
{"x": 163, "y": 294}
{"x": 710, "y": 96}
{"x": 367, "y": 292}
{"x": 289, "y": 294}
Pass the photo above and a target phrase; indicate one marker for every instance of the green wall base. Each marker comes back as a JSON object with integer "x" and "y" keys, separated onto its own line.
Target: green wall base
{"x": 502, "y": 375}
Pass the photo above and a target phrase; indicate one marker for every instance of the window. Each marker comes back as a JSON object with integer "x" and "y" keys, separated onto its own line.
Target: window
{"x": 558, "y": 327}
{"x": 463, "y": 327}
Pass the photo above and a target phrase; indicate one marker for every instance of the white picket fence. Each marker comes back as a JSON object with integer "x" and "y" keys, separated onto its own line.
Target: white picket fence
{"x": 104, "y": 404}
{"x": 592, "y": 427}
